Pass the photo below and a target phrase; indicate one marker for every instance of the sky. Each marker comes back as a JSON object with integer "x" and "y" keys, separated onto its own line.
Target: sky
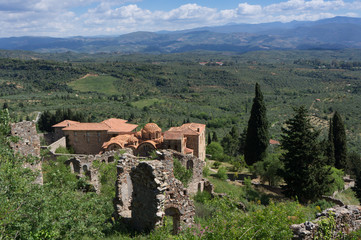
{"x": 65, "y": 18}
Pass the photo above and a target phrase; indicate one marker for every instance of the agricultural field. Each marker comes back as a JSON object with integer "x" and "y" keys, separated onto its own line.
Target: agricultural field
{"x": 173, "y": 88}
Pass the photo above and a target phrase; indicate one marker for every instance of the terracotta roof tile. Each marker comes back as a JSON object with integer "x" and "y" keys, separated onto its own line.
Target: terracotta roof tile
{"x": 87, "y": 127}
{"x": 112, "y": 125}
{"x": 173, "y": 135}
{"x": 189, "y": 128}
{"x": 65, "y": 123}
{"x": 274, "y": 142}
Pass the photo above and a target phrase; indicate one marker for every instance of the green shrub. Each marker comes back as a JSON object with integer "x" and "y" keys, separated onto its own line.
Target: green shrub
{"x": 337, "y": 178}
{"x": 216, "y": 150}
{"x": 222, "y": 173}
{"x": 181, "y": 173}
{"x": 202, "y": 197}
{"x": 216, "y": 165}
{"x": 64, "y": 150}
{"x": 206, "y": 171}
{"x": 268, "y": 169}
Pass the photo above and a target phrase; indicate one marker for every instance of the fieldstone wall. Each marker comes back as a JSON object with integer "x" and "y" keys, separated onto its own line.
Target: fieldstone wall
{"x": 29, "y": 140}
{"x": 190, "y": 162}
{"x": 347, "y": 219}
{"x": 124, "y": 186}
{"x": 28, "y": 144}
{"x": 82, "y": 165}
{"x": 147, "y": 191}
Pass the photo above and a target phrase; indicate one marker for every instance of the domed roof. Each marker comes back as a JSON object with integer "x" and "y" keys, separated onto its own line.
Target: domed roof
{"x": 151, "y": 128}
{"x": 132, "y": 139}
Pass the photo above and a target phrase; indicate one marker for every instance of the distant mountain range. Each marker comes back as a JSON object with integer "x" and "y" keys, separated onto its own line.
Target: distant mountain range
{"x": 332, "y": 33}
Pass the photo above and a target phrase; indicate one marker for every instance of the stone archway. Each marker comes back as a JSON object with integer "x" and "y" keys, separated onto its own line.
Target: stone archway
{"x": 175, "y": 214}
{"x": 114, "y": 147}
{"x": 145, "y": 149}
{"x": 189, "y": 164}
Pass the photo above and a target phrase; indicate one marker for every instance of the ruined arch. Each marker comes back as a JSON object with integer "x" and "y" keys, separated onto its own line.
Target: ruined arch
{"x": 175, "y": 214}
{"x": 114, "y": 147}
{"x": 145, "y": 148}
{"x": 190, "y": 164}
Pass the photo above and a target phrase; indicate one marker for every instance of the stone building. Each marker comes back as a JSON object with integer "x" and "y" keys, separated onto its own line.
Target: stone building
{"x": 114, "y": 134}
{"x": 88, "y": 138}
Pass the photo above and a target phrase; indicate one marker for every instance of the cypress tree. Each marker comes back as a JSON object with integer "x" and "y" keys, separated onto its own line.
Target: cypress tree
{"x": 257, "y": 138}
{"x": 330, "y": 147}
{"x": 214, "y": 138}
{"x": 230, "y": 142}
{"x": 209, "y": 138}
{"x": 339, "y": 141}
{"x": 305, "y": 170}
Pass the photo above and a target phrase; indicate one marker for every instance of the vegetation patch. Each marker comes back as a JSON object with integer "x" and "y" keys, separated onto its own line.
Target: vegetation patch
{"x": 141, "y": 104}
{"x": 100, "y": 84}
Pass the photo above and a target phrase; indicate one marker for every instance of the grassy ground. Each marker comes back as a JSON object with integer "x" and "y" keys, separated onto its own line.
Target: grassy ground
{"x": 146, "y": 102}
{"x": 100, "y": 84}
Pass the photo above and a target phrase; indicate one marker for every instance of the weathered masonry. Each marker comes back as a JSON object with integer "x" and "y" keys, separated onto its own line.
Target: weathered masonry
{"x": 147, "y": 191}
{"x": 27, "y": 144}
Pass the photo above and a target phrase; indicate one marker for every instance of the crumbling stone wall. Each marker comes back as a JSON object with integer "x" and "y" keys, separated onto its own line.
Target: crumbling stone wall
{"x": 147, "y": 191}
{"x": 347, "y": 219}
{"x": 82, "y": 165}
{"x": 190, "y": 162}
{"x": 28, "y": 144}
{"x": 124, "y": 186}
{"x": 29, "y": 140}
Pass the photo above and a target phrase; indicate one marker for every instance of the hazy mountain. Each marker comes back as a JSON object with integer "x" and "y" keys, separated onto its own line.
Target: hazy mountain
{"x": 333, "y": 33}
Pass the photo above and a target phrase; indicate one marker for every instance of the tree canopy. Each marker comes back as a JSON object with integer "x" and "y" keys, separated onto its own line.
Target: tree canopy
{"x": 305, "y": 171}
{"x": 257, "y": 138}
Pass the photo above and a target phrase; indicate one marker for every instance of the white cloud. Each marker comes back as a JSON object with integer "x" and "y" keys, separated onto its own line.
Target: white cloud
{"x": 60, "y": 18}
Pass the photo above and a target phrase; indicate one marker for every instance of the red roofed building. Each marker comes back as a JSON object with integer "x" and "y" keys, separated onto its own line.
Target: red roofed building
{"x": 88, "y": 138}
{"x": 114, "y": 134}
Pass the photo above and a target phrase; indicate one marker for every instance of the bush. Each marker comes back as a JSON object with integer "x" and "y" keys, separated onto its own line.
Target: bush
{"x": 216, "y": 165}
{"x": 216, "y": 150}
{"x": 206, "y": 171}
{"x": 202, "y": 197}
{"x": 222, "y": 173}
{"x": 181, "y": 173}
{"x": 337, "y": 178}
{"x": 268, "y": 169}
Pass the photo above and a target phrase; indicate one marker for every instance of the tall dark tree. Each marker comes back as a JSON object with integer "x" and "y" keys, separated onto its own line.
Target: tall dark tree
{"x": 305, "y": 171}
{"x": 257, "y": 138}
{"x": 339, "y": 141}
{"x": 354, "y": 167}
{"x": 242, "y": 141}
{"x": 214, "y": 137}
{"x": 230, "y": 142}
{"x": 330, "y": 147}
{"x": 209, "y": 138}
{"x": 5, "y": 105}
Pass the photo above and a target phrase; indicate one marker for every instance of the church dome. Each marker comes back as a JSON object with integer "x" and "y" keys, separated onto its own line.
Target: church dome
{"x": 151, "y": 128}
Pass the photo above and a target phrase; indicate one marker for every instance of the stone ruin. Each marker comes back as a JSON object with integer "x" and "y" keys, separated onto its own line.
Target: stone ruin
{"x": 147, "y": 191}
{"x": 347, "y": 219}
{"x": 27, "y": 144}
{"x": 82, "y": 166}
{"x": 29, "y": 140}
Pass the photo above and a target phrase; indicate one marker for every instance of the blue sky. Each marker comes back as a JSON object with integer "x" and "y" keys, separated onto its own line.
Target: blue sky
{"x": 62, "y": 18}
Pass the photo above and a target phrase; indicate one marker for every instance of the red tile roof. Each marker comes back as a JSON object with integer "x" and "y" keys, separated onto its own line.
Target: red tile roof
{"x": 172, "y": 135}
{"x": 87, "y": 127}
{"x": 274, "y": 142}
{"x": 111, "y": 125}
{"x": 189, "y": 128}
{"x": 65, "y": 123}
